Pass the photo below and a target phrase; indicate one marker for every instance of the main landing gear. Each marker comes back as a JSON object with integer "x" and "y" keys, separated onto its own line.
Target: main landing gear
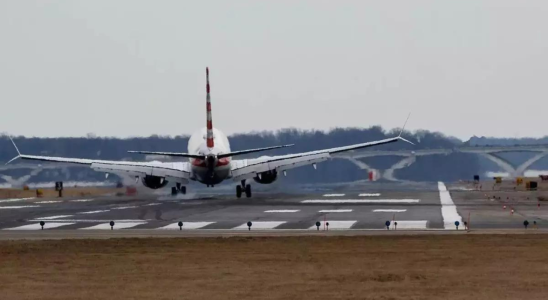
{"x": 178, "y": 189}
{"x": 243, "y": 188}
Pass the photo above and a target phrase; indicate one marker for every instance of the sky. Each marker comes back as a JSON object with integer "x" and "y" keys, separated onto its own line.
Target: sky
{"x": 135, "y": 68}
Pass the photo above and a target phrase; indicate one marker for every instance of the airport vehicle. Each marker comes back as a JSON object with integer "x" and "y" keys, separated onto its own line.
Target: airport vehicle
{"x": 210, "y": 161}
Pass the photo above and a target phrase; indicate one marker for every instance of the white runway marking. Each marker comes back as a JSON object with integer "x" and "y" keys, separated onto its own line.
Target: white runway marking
{"x": 94, "y": 212}
{"x": 335, "y": 225}
{"x": 282, "y": 211}
{"x": 96, "y": 221}
{"x": 45, "y": 202}
{"x": 106, "y": 226}
{"x": 187, "y": 225}
{"x": 369, "y": 195}
{"x": 125, "y": 207}
{"x": 152, "y": 204}
{"x": 37, "y": 226}
{"x": 335, "y": 210}
{"x": 54, "y": 217}
{"x": 410, "y": 224}
{"x": 18, "y": 207}
{"x": 389, "y": 210}
{"x": 333, "y": 195}
{"x": 383, "y": 201}
{"x": 15, "y": 200}
{"x": 260, "y": 225}
{"x": 81, "y": 200}
{"x": 448, "y": 208}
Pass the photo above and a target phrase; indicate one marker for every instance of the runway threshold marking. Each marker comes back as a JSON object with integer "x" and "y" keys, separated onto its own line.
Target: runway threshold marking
{"x": 403, "y": 224}
{"x": 448, "y": 208}
{"x": 335, "y": 210}
{"x": 18, "y": 207}
{"x": 106, "y": 226}
{"x": 376, "y": 201}
{"x": 93, "y": 221}
{"x": 389, "y": 210}
{"x": 369, "y": 195}
{"x": 282, "y": 211}
{"x": 36, "y": 226}
{"x": 334, "y": 195}
{"x": 15, "y": 200}
{"x": 187, "y": 225}
{"x": 334, "y": 225}
{"x": 260, "y": 225}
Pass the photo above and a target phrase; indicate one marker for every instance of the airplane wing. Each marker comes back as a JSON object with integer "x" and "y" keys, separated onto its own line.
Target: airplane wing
{"x": 174, "y": 171}
{"x": 249, "y": 168}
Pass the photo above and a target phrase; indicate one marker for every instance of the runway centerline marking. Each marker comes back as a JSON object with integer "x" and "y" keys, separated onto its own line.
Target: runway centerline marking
{"x": 389, "y": 210}
{"x": 94, "y": 212}
{"x": 15, "y": 200}
{"x": 18, "y": 207}
{"x": 187, "y": 225}
{"x": 334, "y": 195}
{"x": 334, "y": 225}
{"x": 448, "y": 208}
{"x": 369, "y": 195}
{"x": 54, "y": 217}
{"x": 375, "y": 201}
{"x": 260, "y": 225}
{"x": 335, "y": 210}
{"x": 106, "y": 226}
{"x": 36, "y": 226}
{"x": 282, "y": 211}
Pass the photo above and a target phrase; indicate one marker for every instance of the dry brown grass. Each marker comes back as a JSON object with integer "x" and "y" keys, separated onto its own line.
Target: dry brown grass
{"x": 365, "y": 267}
{"x": 67, "y": 192}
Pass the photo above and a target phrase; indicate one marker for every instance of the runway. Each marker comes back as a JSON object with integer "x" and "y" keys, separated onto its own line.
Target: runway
{"x": 348, "y": 209}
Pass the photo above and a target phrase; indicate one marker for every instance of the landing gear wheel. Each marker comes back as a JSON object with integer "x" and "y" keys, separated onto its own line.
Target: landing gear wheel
{"x": 238, "y": 191}
{"x": 183, "y": 190}
{"x": 248, "y": 191}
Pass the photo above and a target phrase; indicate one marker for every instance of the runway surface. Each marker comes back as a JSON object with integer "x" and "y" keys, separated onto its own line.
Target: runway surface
{"x": 350, "y": 208}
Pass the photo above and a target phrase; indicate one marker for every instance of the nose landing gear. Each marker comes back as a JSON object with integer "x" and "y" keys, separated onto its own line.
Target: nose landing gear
{"x": 243, "y": 188}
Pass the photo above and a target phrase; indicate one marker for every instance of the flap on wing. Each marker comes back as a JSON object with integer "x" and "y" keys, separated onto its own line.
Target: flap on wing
{"x": 179, "y": 172}
{"x": 279, "y": 163}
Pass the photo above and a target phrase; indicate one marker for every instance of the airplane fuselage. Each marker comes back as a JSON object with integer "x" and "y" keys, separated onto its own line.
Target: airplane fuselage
{"x": 209, "y": 171}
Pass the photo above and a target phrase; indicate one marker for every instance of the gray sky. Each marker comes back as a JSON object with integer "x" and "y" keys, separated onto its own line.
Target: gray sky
{"x": 135, "y": 68}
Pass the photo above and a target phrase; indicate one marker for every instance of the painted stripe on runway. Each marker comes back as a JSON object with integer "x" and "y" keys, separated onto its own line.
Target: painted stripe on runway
{"x": 81, "y": 200}
{"x": 448, "y": 208}
{"x": 335, "y": 210}
{"x": 187, "y": 225}
{"x": 94, "y": 212}
{"x": 15, "y": 200}
{"x": 333, "y": 195}
{"x": 54, "y": 217}
{"x": 389, "y": 210}
{"x": 106, "y": 226}
{"x": 125, "y": 207}
{"x": 335, "y": 225}
{"x": 410, "y": 224}
{"x": 282, "y": 211}
{"x": 46, "y": 202}
{"x": 95, "y": 221}
{"x": 36, "y": 226}
{"x": 18, "y": 207}
{"x": 369, "y": 195}
{"x": 260, "y": 225}
{"x": 384, "y": 201}
{"x": 152, "y": 204}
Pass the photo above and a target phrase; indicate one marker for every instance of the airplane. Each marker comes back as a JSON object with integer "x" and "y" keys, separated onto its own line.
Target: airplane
{"x": 210, "y": 160}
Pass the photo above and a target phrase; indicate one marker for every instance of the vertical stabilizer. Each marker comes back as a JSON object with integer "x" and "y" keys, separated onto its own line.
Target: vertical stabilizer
{"x": 210, "y": 143}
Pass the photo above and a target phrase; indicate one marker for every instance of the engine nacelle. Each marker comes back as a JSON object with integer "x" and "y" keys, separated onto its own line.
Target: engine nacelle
{"x": 266, "y": 177}
{"x": 154, "y": 182}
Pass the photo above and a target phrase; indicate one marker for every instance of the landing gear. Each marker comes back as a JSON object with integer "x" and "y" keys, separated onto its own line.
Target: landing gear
{"x": 243, "y": 188}
{"x": 178, "y": 188}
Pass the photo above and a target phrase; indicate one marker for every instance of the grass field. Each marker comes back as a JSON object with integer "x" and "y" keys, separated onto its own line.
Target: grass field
{"x": 67, "y": 192}
{"x": 364, "y": 267}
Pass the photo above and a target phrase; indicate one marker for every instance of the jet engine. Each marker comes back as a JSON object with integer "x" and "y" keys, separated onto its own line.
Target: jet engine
{"x": 154, "y": 182}
{"x": 266, "y": 177}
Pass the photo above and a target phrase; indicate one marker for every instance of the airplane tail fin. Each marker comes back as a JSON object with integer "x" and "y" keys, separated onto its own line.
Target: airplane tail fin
{"x": 210, "y": 143}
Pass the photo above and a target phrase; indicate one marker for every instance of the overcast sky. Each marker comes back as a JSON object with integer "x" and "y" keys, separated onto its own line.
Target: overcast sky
{"x": 135, "y": 68}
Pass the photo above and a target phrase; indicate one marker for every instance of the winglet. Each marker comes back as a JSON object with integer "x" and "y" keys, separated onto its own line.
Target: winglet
{"x": 18, "y": 153}
{"x": 403, "y": 128}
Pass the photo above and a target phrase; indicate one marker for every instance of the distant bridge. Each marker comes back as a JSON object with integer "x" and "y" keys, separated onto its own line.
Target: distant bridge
{"x": 410, "y": 157}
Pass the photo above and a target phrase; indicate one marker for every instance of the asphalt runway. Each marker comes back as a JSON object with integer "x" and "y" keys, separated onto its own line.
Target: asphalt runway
{"x": 339, "y": 210}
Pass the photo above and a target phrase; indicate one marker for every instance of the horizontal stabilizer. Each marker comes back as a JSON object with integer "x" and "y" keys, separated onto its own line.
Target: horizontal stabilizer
{"x": 170, "y": 154}
{"x": 229, "y": 154}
